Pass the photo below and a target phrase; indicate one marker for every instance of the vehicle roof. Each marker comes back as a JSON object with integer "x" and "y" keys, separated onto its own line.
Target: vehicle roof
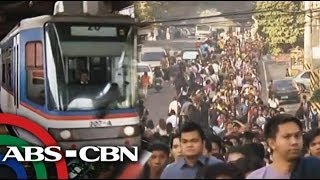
{"x": 190, "y": 49}
{"x": 143, "y": 64}
{"x": 39, "y": 21}
{"x": 300, "y": 73}
{"x": 152, "y": 49}
{"x": 282, "y": 80}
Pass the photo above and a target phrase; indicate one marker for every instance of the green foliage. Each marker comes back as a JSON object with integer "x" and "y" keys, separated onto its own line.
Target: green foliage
{"x": 315, "y": 96}
{"x": 146, "y": 10}
{"x": 280, "y": 28}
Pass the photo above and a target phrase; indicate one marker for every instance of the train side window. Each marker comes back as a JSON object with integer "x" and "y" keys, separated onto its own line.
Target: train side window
{"x": 34, "y": 55}
{"x": 39, "y": 55}
{"x": 9, "y": 75}
{"x": 306, "y": 75}
{"x": 3, "y": 73}
{"x": 35, "y": 74}
{"x": 6, "y": 69}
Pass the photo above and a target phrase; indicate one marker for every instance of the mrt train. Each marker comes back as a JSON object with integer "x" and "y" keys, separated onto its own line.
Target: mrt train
{"x": 74, "y": 76}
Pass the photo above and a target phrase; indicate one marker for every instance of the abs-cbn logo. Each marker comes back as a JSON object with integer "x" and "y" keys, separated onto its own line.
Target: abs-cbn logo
{"x": 52, "y": 153}
{"x": 20, "y": 150}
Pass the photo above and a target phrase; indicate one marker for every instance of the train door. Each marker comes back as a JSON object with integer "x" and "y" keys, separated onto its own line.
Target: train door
{"x": 31, "y": 86}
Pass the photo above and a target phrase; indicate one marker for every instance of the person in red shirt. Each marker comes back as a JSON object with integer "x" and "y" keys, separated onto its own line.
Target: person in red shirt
{"x": 145, "y": 82}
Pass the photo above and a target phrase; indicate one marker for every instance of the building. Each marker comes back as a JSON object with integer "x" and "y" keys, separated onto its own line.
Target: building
{"x": 129, "y": 11}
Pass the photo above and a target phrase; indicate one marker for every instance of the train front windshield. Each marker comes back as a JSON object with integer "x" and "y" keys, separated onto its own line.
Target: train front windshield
{"x": 90, "y": 66}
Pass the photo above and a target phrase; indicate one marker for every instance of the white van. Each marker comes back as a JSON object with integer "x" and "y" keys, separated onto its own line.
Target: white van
{"x": 152, "y": 55}
{"x": 202, "y": 31}
{"x": 303, "y": 80}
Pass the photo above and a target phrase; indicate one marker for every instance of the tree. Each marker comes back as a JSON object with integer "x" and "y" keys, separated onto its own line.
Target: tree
{"x": 315, "y": 96}
{"x": 146, "y": 10}
{"x": 282, "y": 29}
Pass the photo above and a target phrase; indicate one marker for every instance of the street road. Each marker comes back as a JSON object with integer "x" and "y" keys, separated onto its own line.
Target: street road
{"x": 276, "y": 71}
{"x": 158, "y": 103}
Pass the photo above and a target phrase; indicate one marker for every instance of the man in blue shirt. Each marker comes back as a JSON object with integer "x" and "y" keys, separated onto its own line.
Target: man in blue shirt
{"x": 192, "y": 141}
{"x": 204, "y": 49}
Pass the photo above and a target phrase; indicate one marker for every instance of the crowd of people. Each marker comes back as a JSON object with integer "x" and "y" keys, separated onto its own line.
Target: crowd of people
{"x": 219, "y": 126}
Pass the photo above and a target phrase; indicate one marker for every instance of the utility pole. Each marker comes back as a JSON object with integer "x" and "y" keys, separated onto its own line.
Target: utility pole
{"x": 307, "y": 36}
{"x": 308, "y": 55}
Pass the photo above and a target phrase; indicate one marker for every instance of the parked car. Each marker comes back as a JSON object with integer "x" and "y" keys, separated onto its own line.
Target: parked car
{"x": 152, "y": 55}
{"x": 303, "y": 80}
{"x": 188, "y": 55}
{"x": 286, "y": 90}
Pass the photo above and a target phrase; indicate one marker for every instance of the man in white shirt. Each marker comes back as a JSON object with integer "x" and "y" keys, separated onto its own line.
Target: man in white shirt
{"x": 238, "y": 64}
{"x": 273, "y": 102}
{"x": 174, "y": 105}
{"x": 173, "y": 119}
{"x": 216, "y": 67}
{"x": 239, "y": 81}
{"x": 214, "y": 78}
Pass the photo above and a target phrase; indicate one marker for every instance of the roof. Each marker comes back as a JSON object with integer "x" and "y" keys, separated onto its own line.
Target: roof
{"x": 36, "y": 22}
{"x": 284, "y": 79}
{"x": 12, "y": 12}
{"x": 143, "y": 64}
{"x": 190, "y": 49}
{"x": 152, "y": 49}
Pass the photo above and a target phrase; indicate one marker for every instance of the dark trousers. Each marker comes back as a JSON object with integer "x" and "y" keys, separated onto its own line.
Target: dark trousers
{"x": 166, "y": 74}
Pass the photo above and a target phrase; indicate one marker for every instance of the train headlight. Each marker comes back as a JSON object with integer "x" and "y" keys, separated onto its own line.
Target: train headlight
{"x": 65, "y": 134}
{"x": 129, "y": 131}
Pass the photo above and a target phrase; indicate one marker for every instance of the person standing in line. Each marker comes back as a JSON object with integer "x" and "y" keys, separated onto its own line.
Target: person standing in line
{"x": 168, "y": 33}
{"x": 175, "y": 148}
{"x": 192, "y": 140}
{"x": 174, "y": 105}
{"x": 157, "y": 162}
{"x": 312, "y": 141}
{"x": 173, "y": 119}
{"x": 313, "y": 118}
{"x": 270, "y": 88}
{"x": 273, "y": 102}
{"x": 145, "y": 82}
{"x": 284, "y": 136}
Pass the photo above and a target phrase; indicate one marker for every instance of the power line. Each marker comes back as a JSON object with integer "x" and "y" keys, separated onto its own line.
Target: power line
{"x": 229, "y": 14}
{"x": 212, "y": 16}
{"x": 225, "y": 21}
{"x": 234, "y": 21}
